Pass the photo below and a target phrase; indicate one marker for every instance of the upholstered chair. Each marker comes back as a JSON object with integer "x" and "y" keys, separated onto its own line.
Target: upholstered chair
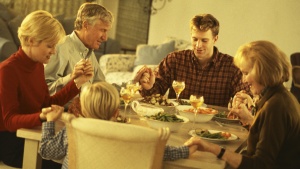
{"x": 95, "y": 143}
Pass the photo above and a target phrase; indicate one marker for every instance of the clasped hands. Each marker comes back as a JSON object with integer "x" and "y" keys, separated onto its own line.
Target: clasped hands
{"x": 146, "y": 77}
{"x": 82, "y": 72}
{"x": 241, "y": 107}
{"x": 52, "y": 113}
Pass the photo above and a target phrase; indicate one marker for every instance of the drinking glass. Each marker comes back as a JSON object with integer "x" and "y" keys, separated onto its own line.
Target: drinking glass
{"x": 196, "y": 101}
{"x": 178, "y": 87}
{"x": 135, "y": 86}
{"x": 126, "y": 95}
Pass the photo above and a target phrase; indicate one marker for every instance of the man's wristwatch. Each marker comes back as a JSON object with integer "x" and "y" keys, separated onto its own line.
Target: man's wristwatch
{"x": 221, "y": 153}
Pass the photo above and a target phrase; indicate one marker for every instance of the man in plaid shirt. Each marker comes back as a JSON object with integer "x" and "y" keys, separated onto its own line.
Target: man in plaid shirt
{"x": 204, "y": 69}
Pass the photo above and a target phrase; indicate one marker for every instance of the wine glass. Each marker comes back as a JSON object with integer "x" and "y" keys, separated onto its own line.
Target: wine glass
{"x": 126, "y": 95}
{"x": 178, "y": 87}
{"x": 196, "y": 101}
{"x": 133, "y": 85}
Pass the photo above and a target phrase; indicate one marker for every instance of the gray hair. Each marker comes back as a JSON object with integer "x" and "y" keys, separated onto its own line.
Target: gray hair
{"x": 91, "y": 12}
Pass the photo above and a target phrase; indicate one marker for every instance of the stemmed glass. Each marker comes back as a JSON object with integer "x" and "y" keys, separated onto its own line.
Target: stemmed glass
{"x": 196, "y": 101}
{"x": 126, "y": 94}
{"x": 135, "y": 86}
{"x": 178, "y": 87}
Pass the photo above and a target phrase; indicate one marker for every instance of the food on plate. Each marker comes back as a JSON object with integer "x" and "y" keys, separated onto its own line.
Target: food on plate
{"x": 207, "y": 134}
{"x": 202, "y": 110}
{"x": 224, "y": 115}
{"x": 165, "y": 117}
{"x": 184, "y": 102}
{"x": 157, "y": 99}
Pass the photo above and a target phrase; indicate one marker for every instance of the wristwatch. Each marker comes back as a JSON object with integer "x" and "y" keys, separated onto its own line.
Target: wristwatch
{"x": 221, "y": 152}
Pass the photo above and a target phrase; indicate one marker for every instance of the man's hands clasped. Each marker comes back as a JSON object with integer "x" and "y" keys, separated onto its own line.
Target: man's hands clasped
{"x": 146, "y": 77}
{"x": 83, "y": 71}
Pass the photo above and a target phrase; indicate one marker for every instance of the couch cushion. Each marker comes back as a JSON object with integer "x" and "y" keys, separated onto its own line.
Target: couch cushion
{"x": 118, "y": 77}
{"x": 116, "y": 63}
{"x": 153, "y": 54}
{"x": 7, "y": 48}
{"x": 4, "y": 31}
{"x": 13, "y": 25}
{"x": 180, "y": 44}
{"x": 5, "y": 13}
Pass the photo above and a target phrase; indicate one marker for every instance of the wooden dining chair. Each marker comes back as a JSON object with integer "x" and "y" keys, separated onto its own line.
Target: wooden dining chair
{"x": 295, "y": 88}
{"x": 95, "y": 143}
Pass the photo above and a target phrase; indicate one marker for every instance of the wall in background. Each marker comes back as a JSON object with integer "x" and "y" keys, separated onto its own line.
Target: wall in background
{"x": 240, "y": 22}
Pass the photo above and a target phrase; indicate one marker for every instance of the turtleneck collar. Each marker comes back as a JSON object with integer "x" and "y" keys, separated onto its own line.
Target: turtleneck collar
{"x": 28, "y": 64}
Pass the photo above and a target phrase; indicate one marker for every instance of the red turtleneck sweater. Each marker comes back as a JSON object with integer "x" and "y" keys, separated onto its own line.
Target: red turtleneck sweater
{"x": 24, "y": 92}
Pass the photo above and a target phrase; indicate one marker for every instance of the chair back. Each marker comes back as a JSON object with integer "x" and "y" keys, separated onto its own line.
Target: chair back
{"x": 295, "y": 88}
{"x": 95, "y": 143}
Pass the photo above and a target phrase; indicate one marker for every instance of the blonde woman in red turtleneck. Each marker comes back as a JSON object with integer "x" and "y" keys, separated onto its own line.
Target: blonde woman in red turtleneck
{"x": 23, "y": 90}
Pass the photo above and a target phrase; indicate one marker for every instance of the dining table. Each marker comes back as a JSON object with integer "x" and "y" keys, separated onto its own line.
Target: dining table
{"x": 32, "y": 159}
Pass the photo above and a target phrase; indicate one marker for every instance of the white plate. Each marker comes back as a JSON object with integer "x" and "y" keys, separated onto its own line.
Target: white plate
{"x": 226, "y": 120}
{"x": 231, "y": 138}
{"x": 173, "y": 126}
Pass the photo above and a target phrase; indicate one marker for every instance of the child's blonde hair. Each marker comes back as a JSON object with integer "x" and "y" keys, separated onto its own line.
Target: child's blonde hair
{"x": 100, "y": 101}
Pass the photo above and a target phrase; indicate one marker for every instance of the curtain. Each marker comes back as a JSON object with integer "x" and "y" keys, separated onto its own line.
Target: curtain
{"x": 133, "y": 23}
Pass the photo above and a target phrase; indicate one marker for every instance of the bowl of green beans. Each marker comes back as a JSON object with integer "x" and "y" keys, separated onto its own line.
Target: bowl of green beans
{"x": 162, "y": 119}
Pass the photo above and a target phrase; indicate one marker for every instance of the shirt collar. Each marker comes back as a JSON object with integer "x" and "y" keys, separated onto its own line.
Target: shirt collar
{"x": 214, "y": 61}
{"x": 267, "y": 93}
{"x": 84, "y": 51}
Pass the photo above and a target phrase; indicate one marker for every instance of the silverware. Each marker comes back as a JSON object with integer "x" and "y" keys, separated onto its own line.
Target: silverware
{"x": 219, "y": 124}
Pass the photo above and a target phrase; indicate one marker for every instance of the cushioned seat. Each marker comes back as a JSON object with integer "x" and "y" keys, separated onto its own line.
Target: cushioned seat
{"x": 295, "y": 88}
{"x": 7, "y": 48}
{"x": 97, "y": 143}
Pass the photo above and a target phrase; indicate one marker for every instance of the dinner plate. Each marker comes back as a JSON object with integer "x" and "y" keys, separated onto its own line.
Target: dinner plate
{"x": 226, "y": 120}
{"x": 220, "y": 117}
{"x": 231, "y": 138}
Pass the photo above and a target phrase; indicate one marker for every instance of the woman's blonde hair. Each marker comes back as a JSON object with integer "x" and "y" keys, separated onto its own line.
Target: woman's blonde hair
{"x": 100, "y": 101}
{"x": 41, "y": 26}
{"x": 270, "y": 64}
{"x": 91, "y": 12}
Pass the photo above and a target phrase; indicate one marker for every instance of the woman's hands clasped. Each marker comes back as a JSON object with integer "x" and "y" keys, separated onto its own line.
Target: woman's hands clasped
{"x": 241, "y": 107}
{"x": 52, "y": 113}
{"x": 83, "y": 71}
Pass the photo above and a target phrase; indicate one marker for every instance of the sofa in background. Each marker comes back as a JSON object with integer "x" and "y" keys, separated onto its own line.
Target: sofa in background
{"x": 119, "y": 68}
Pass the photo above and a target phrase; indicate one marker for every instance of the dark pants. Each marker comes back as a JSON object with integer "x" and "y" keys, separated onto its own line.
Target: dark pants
{"x": 12, "y": 149}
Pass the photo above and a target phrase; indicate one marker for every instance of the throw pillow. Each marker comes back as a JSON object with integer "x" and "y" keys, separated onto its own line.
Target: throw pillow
{"x": 180, "y": 44}
{"x": 153, "y": 54}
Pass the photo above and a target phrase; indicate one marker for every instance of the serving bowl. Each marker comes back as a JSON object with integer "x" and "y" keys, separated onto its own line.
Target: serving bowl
{"x": 144, "y": 109}
{"x": 204, "y": 114}
{"x": 173, "y": 126}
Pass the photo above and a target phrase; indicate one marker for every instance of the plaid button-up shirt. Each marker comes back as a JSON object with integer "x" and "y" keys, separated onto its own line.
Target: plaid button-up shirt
{"x": 217, "y": 81}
